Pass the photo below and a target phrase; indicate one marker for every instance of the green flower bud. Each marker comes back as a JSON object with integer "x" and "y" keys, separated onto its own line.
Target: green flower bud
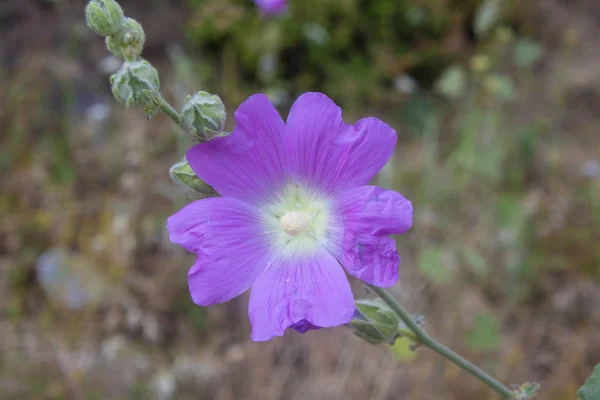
{"x": 375, "y": 322}
{"x": 184, "y": 176}
{"x": 128, "y": 42}
{"x": 529, "y": 390}
{"x": 204, "y": 116}
{"x": 105, "y": 17}
{"x": 135, "y": 84}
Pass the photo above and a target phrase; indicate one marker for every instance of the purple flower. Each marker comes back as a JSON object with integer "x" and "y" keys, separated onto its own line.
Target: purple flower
{"x": 295, "y": 206}
{"x": 271, "y": 7}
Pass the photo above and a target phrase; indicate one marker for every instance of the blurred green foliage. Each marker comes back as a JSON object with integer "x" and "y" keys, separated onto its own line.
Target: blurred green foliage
{"x": 350, "y": 49}
{"x": 485, "y": 332}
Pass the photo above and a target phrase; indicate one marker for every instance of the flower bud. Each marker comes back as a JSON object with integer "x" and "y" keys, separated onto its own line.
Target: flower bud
{"x": 135, "y": 83}
{"x": 203, "y": 116}
{"x": 184, "y": 176}
{"x": 375, "y": 322}
{"x": 104, "y": 17}
{"x": 128, "y": 42}
{"x": 529, "y": 390}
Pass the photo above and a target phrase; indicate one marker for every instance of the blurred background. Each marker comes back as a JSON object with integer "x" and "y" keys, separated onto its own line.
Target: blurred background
{"x": 497, "y": 108}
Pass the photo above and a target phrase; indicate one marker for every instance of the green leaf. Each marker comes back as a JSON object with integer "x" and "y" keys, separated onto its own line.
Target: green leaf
{"x": 526, "y": 52}
{"x": 431, "y": 265}
{"x": 509, "y": 211}
{"x": 591, "y": 389}
{"x": 487, "y": 16}
{"x": 485, "y": 333}
{"x": 452, "y": 83}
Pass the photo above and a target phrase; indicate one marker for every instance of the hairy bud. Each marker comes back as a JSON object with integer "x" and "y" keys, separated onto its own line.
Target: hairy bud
{"x": 375, "y": 322}
{"x": 128, "y": 42}
{"x": 105, "y": 17}
{"x": 135, "y": 84}
{"x": 204, "y": 116}
{"x": 184, "y": 176}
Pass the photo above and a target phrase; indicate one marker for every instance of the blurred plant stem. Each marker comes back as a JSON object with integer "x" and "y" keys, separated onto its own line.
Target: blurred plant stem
{"x": 427, "y": 341}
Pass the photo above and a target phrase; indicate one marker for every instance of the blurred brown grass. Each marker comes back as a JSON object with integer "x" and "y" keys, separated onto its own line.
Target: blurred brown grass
{"x": 517, "y": 240}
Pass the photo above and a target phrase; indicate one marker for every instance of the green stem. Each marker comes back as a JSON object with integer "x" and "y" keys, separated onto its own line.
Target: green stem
{"x": 439, "y": 348}
{"x": 409, "y": 334}
{"x": 170, "y": 111}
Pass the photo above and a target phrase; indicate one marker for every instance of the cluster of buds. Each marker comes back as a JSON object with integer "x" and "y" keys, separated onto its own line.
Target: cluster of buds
{"x": 125, "y": 37}
{"x": 137, "y": 84}
{"x": 203, "y": 118}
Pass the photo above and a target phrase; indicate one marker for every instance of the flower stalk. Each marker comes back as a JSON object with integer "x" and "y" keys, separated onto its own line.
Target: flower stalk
{"x": 166, "y": 108}
{"x": 427, "y": 341}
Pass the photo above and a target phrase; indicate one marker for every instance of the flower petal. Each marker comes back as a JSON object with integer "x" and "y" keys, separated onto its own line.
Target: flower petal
{"x": 374, "y": 210}
{"x": 233, "y": 251}
{"x": 368, "y": 214}
{"x": 303, "y": 292}
{"x": 372, "y": 259}
{"x": 327, "y": 155}
{"x": 248, "y": 164}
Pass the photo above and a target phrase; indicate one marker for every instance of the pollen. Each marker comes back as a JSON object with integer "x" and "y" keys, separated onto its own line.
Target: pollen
{"x": 294, "y": 222}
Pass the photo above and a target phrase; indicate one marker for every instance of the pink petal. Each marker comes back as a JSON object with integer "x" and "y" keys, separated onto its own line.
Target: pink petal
{"x": 327, "y": 155}
{"x": 232, "y": 249}
{"x": 249, "y": 164}
{"x": 312, "y": 291}
{"x": 368, "y": 215}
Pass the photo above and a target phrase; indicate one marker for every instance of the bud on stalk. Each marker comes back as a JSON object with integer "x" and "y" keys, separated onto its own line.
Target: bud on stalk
{"x": 203, "y": 116}
{"x": 105, "y": 17}
{"x": 135, "y": 84}
{"x": 375, "y": 322}
{"x": 184, "y": 176}
{"x": 128, "y": 42}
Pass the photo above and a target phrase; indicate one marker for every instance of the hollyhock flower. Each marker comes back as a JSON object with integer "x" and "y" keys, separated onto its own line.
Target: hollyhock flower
{"x": 295, "y": 206}
{"x": 271, "y": 7}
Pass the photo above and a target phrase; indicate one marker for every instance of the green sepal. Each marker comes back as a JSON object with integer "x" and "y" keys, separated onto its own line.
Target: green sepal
{"x": 184, "y": 176}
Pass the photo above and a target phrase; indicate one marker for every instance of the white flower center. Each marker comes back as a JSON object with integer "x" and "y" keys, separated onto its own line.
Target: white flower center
{"x": 294, "y": 222}
{"x": 300, "y": 221}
